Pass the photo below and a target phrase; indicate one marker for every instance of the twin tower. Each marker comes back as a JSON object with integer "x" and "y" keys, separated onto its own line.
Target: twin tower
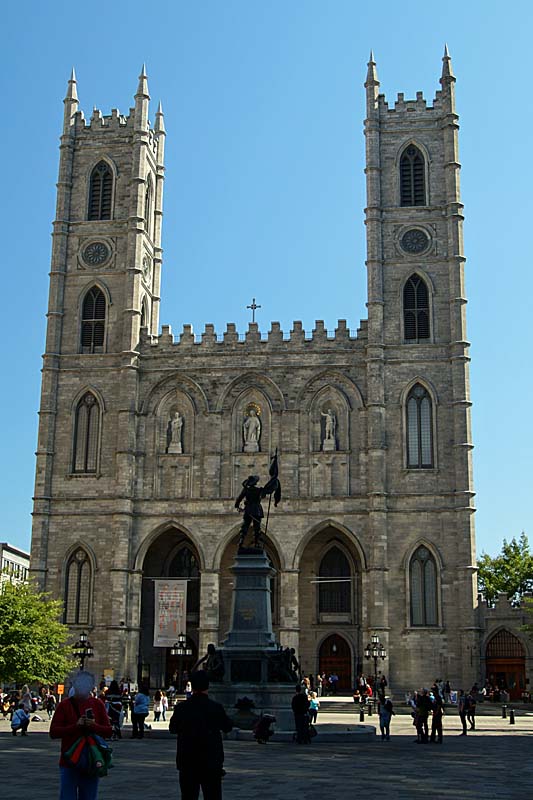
{"x": 144, "y": 440}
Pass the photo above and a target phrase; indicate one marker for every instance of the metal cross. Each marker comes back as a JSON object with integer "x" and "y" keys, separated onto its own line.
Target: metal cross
{"x": 253, "y": 308}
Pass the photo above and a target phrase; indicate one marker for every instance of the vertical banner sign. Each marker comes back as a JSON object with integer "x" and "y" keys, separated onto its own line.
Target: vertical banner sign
{"x": 170, "y": 611}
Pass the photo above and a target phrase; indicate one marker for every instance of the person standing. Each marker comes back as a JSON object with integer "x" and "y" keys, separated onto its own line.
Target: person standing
{"x": 141, "y": 708}
{"x": 314, "y": 705}
{"x": 158, "y": 706}
{"x": 333, "y": 681}
{"x": 463, "y": 708}
{"x": 385, "y": 715}
{"x": 164, "y": 705}
{"x": 79, "y": 715}
{"x": 300, "y": 709}
{"x": 198, "y": 723}
{"x": 436, "y": 719}
{"x": 471, "y": 710}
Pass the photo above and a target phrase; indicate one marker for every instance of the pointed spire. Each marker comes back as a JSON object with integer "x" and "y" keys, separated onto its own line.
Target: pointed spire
{"x": 372, "y": 73}
{"x": 72, "y": 92}
{"x": 159, "y": 126}
{"x": 447, "y": 69}
{"x": 142, "y": 88}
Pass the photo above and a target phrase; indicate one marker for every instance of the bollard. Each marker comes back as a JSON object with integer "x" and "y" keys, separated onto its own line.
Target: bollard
{"x": 504, "y": 712}
{"x": 369, "y": 709}
{"x": 361, "y": 714}
{"x": 511, "y": 716}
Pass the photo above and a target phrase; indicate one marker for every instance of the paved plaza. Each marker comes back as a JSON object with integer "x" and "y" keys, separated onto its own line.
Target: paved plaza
{"x": 492, "y": 762}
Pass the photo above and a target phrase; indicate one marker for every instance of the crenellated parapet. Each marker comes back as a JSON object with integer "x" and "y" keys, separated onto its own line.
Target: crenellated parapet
{"x": 253, "y": 338}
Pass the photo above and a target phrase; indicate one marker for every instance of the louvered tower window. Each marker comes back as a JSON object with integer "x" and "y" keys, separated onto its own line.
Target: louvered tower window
{"x": 412, "y": 177}
{"x": 78, "y": 589}
{"x": 93, "y": 321}
{"x": 334, "y": 587}
{"x": 86, "y": 435}
{"x": 419, "y": 428}
{"x": 415, "y": 309}
{"x": 423, "y": 588}
{"x": 148, "y": 206}
{"x": 100, "y": 192}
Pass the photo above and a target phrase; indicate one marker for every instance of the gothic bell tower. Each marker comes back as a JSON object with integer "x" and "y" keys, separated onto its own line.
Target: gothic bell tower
{"x": 104, "y": 287}
{"x": 420, "y": 470}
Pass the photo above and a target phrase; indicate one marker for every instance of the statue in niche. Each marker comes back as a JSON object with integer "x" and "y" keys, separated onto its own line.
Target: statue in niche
{"x": 329, "y": 442}
{"x": 251, "y": 429}
{"x": 175, "y": 426}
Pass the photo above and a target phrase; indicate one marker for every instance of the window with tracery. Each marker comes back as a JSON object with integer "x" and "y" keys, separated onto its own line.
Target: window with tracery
{"x": 185, "y": 565}
{"x": 415, "y": 309}
{"x": 93, "y": 321}
{"x": 335, "y": 584}
{"x": 412, "y": 177}
{"x": 419, "y": 428}
{"x": 100, "y": 192}
{"x": 78, "y": 589}
{"x": 86, "y": 435}
{"x": 423, "y": 588}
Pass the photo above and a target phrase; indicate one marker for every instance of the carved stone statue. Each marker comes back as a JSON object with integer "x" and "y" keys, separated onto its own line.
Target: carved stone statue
{"x": 212, "y": 663}
{"x": 251, "y": 429}
{"x": 329, "y": 442}
{"x": 252, "y": 494}
{"x": 175, "y": 426}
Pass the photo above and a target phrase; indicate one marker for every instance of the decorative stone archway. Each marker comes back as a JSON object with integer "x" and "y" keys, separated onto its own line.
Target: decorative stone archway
{"x": 505, "y": 662}
{"x": 330, "y": 600}
{"x": 171, "y": 555}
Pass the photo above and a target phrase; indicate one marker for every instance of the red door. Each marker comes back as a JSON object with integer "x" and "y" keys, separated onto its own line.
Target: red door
{"x": 335, "y": 656}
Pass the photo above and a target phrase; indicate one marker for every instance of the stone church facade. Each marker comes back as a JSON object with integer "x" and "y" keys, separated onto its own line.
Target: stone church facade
{"x": 145, "y": 437}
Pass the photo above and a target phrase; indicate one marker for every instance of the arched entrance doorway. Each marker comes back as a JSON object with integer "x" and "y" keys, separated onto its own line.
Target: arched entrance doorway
{"x": 506, "y": 663}
{"x": 330, "y": 602}
{"x": 171, "y": 555}
{"x": 335, "y": 656}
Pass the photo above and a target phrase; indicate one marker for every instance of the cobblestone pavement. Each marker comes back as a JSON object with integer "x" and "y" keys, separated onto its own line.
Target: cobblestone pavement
{"x": 492, "y": 762}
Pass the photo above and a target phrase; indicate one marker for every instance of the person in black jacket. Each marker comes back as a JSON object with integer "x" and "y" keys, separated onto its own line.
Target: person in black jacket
{"x": 198, "y": 723}
{"x": 300, "y": 709}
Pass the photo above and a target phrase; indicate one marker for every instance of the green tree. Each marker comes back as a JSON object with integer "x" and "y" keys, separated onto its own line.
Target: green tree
{"x": 33, "y": 640}
{"x": 510, "y": 572}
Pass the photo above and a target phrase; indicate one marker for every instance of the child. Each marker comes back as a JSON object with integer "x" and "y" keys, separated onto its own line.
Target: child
{"x": 385, "y": 716}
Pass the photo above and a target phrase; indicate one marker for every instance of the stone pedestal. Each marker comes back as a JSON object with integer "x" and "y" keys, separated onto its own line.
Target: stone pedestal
{"x": 250, "y": 649}
{"x": 329, "y": 445}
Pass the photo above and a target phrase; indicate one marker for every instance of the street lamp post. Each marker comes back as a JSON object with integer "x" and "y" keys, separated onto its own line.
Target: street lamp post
{"x": 375, "y": 650}
{"x": 180, "y": 650}
{"x": 83, "y": 649}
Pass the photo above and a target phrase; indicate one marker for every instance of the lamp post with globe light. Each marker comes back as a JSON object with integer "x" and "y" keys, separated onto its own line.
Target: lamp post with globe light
{"x": 180, "y": 651}
{"x": 375, "y": 650}
{"x": 83, "y": 649}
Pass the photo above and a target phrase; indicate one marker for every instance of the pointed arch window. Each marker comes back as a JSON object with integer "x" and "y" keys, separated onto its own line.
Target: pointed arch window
{"x": 144, "y": 314}
{"x": 86, "y": 435}
{"x": 415, "y": 309}
{"x": 100, "y": 192}
{"x": 93, "y": 321}
{"x": 78, "y": 589}
{"x": 423, "y": 588}
{"x": 185, "y": 565}
{"x": 412, "y": 177}
{"x": 334, "y": 587}
{"x": 148, "y": 206}
{"x": 419, "y": 428}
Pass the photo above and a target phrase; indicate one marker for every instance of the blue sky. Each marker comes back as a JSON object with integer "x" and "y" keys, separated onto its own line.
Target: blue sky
{"x": 264, "y": 107}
